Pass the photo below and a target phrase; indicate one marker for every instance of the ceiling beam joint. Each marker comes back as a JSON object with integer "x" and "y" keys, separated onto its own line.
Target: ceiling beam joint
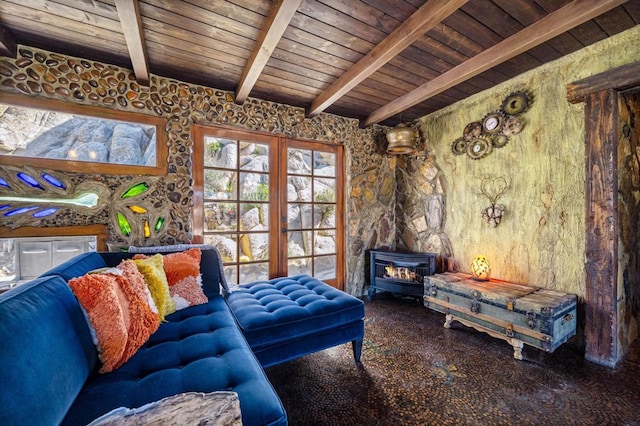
{"x": 416, "y": 26}
{"x": 131, "y": 22}
{"x": 276, "y": 23}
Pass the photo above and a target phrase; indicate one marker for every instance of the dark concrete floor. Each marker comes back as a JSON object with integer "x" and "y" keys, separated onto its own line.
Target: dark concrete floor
{"x": 416, "y": 372}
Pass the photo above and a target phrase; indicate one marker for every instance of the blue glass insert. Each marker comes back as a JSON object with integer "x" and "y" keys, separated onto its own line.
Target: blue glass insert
{"x": 4, "y": 183}
{"x": 20, "y": 210}
{"x": 53, "y": 181}
{"x": 29, "y": 180}
{"x": 46, "y": 212}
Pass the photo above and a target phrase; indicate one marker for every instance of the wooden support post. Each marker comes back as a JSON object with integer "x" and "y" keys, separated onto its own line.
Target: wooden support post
{"x": 601, "y": 193}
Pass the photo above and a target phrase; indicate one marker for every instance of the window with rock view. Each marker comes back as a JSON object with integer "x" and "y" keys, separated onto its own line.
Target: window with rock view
{"x": 57, "y": 135}
{"x": 29, "y": 132}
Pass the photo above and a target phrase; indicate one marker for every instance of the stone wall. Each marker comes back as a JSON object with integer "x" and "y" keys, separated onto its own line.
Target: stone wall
{"x": 370, "y": 176}
{"x": 421, "y": 208}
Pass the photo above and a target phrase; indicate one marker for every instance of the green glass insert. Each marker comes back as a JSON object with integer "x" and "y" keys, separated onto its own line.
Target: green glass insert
{"x": 135, "y": 190}
{"x": 159, "y": 224}
{"x": 123, "y": 223}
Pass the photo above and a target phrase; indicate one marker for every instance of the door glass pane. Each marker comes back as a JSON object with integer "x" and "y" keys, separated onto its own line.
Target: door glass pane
{"x": 324, "y": 216}
{"x": 254, "y": 216}
{"x": 222, "y": 153}
{"x": 325, "y": 267}
{"x": 324, "y": 164}
{"x": 298, "y": 188}
{"x": 226, "y": 244}
{"x": 299, "y": 244}
{"x": 324, "y": 242}
{"x": 311, "y": 212}
{"x": 299, "y": 266}
{"x": 299, "y": 161}
{"x": 254, "y": 156}
{"x": 254, "y": 247}
{"x": 299, "y": 216}
{"x": 237, "y": 202}
{"x": 231, "y": 274}
{"x": 220, "y": 185}
{"x": 254, "y": 187}
{"x": 220, "y": 216}
{"x": 324, "y": 190}
{"x": 254, "y": 272}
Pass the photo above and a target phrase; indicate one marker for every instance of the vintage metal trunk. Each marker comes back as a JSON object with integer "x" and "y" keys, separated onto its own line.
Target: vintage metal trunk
{"x": 516, "y": 313}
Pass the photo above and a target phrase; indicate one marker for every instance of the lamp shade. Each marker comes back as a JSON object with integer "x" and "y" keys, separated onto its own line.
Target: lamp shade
{"x": 401, "y": 139}
{"x": 480, "y": 267}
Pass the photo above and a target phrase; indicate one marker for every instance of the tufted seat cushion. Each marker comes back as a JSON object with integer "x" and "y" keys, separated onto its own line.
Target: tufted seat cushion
{"x": 297, "y": 308}
{"x": 199, "y": 349}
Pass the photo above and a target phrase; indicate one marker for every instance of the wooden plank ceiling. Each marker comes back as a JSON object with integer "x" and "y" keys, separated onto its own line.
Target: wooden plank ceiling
{"x": 380, "y": 61}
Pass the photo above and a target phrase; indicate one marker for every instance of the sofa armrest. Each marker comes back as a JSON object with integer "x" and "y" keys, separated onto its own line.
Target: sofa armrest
{"x": 77, "y": 266}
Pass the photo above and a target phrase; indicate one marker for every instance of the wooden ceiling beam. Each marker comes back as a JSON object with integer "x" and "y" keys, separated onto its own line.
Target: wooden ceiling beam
{"x": 429, "y": 15}
{"x": 129, "y": 14}
{"x": 8, "y": 45}
{"x": 621, "y": 78}
{"x": 543, "y": 30}
{"x": 277, "y": 22}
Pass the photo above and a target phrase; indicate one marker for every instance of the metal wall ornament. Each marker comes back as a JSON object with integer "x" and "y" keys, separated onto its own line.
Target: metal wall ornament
{"x": 493, "y": 189}
{"x": 495, "y": 130}
{"x": 401, "y": 140}
{"x": 408, "y": 139}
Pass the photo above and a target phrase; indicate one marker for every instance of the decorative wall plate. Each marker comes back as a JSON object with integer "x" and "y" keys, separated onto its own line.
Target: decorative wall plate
{"x": 516, "y": 103}
{"x": 472, "y": 130}
{"x": 459, "y": 146}
{"x": 478, "y": 148}
{"x": 512, "y": 126}
{"x": 492, "y": 122}
{"x": 499, "y": 140}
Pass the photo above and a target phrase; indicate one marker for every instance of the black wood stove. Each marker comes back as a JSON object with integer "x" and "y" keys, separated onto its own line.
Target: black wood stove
{"x": 400, "y": 272}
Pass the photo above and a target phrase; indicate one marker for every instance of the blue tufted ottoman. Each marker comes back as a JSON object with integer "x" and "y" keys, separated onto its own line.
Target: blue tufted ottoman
{"x": 288, "y": 317}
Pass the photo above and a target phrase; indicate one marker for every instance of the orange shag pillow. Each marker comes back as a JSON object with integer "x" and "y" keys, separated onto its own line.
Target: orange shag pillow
{"x": 183, "y": 275}
{"x": 144, "y": 321}
{"x": 107, "y": 307}
{"x": 183, "y": 264}
{"x": 187, "y": 292}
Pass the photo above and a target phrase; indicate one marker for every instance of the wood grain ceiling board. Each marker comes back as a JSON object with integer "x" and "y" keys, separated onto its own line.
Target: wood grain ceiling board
{"x": 78, "y": 31}
{"x": 209, "y": 42}
{"x": 543, "y": 30}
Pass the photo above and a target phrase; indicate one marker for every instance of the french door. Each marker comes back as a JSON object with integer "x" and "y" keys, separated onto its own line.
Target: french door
{"x": 272, "y": 206}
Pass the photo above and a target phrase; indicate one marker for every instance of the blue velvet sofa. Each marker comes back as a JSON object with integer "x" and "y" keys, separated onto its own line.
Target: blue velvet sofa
{"x": 49, "y": 363}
